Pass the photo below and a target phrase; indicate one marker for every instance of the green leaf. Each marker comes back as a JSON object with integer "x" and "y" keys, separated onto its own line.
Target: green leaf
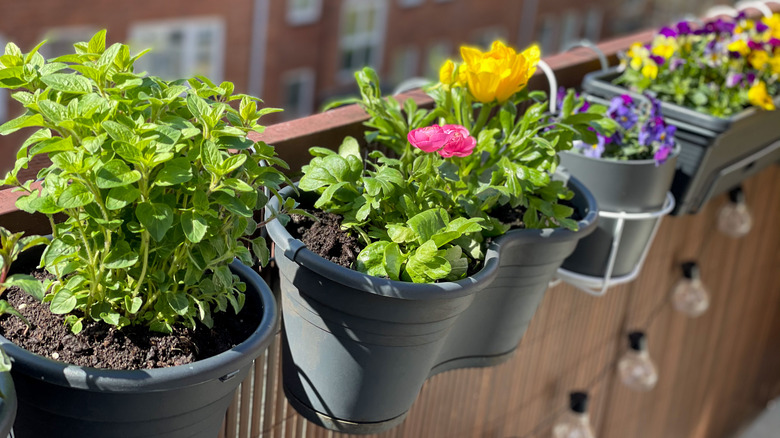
{"x": 426, "y": 265}
{"x": 76, "y": 195}
{"x": 459, "y": 265}
{"x": 116, "y": 173}
{"x": 118, "y": 131}
{"x": 194, "y": 226}
{"x": 178, "y": 302}
{"x": 401, "y": 234}
{"x": 27, "y": 283}
{"x": 261, "y": 251}
{"x": 156, "y": 218}
{"x": 233, "y": 204}
{"x": 133, "y": 305}
{"x": 120, "y": 197}
{"x": 121, "y": 256}
{"x": 428, "y": 223}
{"x": 371, "y": 259}
{"x": 176, "y": 171}
{"x": 393, "y": 261}
{"x": 68, "y": 83}
{"x": 21, "y": 122}
{"x": 349, "y": 147}
{"x": 97, "y": 44}
{"x": 64, "y": 301}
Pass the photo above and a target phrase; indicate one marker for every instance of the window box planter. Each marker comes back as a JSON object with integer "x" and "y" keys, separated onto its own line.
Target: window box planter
{"x": 717, "y": 153}
{"x": 357, "y": 349}
{"x": 629, "y": 186}
{"x": 61, "y": 400}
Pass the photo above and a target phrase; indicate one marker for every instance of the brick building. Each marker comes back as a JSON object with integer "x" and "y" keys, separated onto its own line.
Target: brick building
{"x": 297, "y": 54}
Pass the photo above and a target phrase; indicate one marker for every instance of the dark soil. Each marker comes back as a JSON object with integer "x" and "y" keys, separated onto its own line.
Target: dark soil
{"x": 324, "y": 237}
{"x": 514, "y": 216}
{"x": 99, "y": 345}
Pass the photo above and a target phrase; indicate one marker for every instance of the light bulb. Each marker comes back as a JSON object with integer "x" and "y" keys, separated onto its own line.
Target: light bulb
{"x": 636, "y": 369}
{"x": 690, "y": 296}
{"x": 575, "y": 422}
{"x": 734, "y": 218}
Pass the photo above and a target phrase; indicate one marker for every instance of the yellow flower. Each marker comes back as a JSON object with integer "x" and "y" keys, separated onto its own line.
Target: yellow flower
{"x": 773, "y": 23}
{"x": 664, "y": 47}
{"x": 650, "y": 70}
{"x": 759, "y": 97}
{"x": 774, "y": 63}
{"x": 758, "y": 59}
{"x": 499, "y": 73}
{"x": 638, "y": 53}
{"x": 745, "y": 26}
{"x": 739, "y": 46}
{"x": 445, "y": 73}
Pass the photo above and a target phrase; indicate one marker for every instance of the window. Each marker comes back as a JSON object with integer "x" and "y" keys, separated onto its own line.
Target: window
{"x": 60, "y": 40}
{"x": 593, "y": 22}
{"x": 410, "y": 3}
{"x": 362, "y": 35}
{"x": 571, "y": 29}
{"x": 181, "y": 48}
{"x": 405, "y": 62}
{"x": 546, "y": 36}
{"x": 301, "y": 12}
{"x": 485, "y": 37}
{"x": 437, "y": 54}
{"x": 298, "y": 93}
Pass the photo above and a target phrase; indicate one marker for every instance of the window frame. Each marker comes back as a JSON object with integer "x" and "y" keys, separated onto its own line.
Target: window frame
{"x": 303, "y": 16}
{"x": 306, "y": 76}
{"x": 355, "y": 41}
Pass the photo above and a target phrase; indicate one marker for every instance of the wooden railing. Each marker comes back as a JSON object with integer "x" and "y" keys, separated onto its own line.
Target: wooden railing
{"x": 716, "y": 371}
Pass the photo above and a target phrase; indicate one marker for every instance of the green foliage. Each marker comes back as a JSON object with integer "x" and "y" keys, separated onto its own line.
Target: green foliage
{"x": 157, "y": 180}
{"x": 425, "y": 218}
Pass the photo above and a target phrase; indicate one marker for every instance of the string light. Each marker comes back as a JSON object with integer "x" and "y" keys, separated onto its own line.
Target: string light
{"x": 690, "y": 296}
{"x": 734, "y": 218}
{"x": 636, "y": 369}
{"x": 575, "y": 422}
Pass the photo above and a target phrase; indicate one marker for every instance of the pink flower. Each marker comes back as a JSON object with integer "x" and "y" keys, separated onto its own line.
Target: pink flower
{"x": 429, "y": 139}
{"x": 460, "y": 144}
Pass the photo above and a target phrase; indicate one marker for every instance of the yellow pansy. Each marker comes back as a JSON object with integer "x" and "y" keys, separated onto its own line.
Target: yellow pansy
{"x": 499, "y": 73}
{"x": 774, "y": 64}
{"x": 637, "y": 53}
{"x": 739, "y": 46}
{"x": 650, "y": 70}
{"x": 664, "y": 47}
{"x": 773, "y": 23}
{"x": 758, "y": 59}
{"x": 759, "y": 97}
{"x": 744, "y": 26}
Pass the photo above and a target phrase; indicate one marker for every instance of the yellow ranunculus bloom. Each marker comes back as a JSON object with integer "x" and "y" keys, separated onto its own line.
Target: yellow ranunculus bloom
{"x": 650, "y": 70}
{"x": 758, "y": 59}
{"x": 760, "y": 98}
{"x": 446, "y": 73}
{"x": 499, "y": 73}
{"x": 739, "y": 46}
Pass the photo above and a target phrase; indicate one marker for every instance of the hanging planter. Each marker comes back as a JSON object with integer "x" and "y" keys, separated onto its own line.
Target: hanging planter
{"x": 726, "y": 134}
{"x": 358, "y": 348}
{"x": 629, "y": 173}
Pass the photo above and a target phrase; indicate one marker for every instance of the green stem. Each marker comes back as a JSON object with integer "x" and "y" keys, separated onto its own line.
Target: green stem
{"x": 484, "y": 112}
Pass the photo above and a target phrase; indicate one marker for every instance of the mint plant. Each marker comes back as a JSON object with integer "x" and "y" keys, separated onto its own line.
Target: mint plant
{"x": 156, "y": 179}
{"x": 11, "y": 245}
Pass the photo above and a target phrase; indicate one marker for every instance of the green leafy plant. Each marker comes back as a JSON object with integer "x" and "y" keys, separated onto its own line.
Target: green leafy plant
{"x": 157, "y": 181}
{"x": 425, "y": 213}
{"x": 11, "y": 245}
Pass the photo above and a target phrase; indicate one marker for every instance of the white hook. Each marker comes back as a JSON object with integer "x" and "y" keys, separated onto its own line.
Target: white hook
{"x": 760, "y": 6}
{"x": 553, "y": 84}
{"x": 589, "y": 45}
{"x": 721, "y": 10}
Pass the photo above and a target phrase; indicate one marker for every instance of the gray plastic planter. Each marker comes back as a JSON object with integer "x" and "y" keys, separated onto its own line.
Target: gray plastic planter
{"x": 8, "y": 404}
{"x": 358, "y": 349}
{"x": 61, "y": 400}
{"x": 717, "y": 153}
{"x": 631, "y": 186}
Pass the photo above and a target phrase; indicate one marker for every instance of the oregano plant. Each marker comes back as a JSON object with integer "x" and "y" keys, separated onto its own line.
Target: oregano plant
{"x": 157, "y": 182}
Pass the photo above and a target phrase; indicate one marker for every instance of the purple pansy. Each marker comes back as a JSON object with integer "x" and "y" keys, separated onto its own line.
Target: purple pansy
{"x": 662, "y": 154}
{"x": 621, "y": 111}
{"x": 592, "y": 150}
{"x": 733, "y": 79}
{"x": 684, "y": 28}
{"x": 668, "y": 32}
{"x": 659, "y": 60}
{"x": 761, "y": 27}
{"x": 755, "y": 45}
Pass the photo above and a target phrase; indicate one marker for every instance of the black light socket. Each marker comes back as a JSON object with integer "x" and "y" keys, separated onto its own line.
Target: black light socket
{"x": 578, "y": 401}
{"x": 737, "y": 195}
{"x": 691, "y": 270}
{"x": 637, "y": 341}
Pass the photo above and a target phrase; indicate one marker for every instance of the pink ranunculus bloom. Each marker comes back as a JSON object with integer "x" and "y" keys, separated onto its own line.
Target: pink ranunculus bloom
{"x": 429, "y": 138}
{"x": 460, "y": 144}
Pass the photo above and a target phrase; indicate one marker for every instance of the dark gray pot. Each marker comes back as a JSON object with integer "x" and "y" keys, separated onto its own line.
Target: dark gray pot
{"x": 717, "y": 153}
{"x": 8, "y": 404}
{"x": 632, "y": 186}
{"x": 358, "y": 349}
{"x": 61, "y": 400}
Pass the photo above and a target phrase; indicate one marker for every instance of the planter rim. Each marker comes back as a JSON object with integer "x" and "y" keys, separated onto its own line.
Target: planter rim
{"x": 221, "y": 366}
{"x": 675, "y": 152}
{"x": 296, "y": 251}
{"x": 724, "y": 122}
